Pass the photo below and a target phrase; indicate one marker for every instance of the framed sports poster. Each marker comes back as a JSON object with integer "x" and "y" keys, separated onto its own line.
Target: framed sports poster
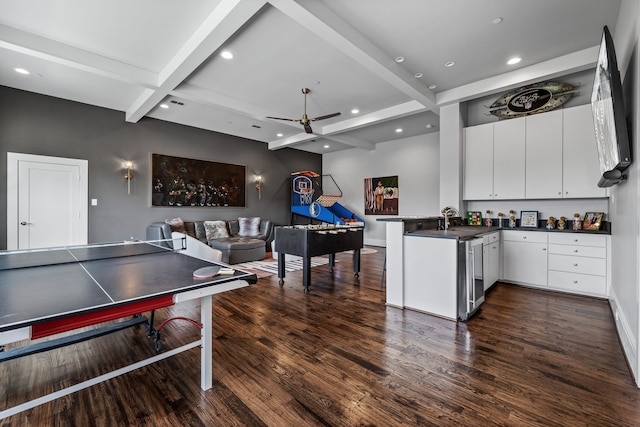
{"x": 381, "y": 195}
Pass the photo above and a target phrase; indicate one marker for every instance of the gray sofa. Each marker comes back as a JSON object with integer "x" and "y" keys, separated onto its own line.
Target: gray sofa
{"x": 235, "y": 248}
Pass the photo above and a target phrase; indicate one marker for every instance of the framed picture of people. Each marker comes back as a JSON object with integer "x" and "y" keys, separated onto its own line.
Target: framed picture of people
{"x": 180, "y": 182}
{"x": 381, "y": 195}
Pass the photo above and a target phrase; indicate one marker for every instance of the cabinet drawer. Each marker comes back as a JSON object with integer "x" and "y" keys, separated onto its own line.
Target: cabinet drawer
{"x": 575, "y": 264}
{"x": 580, "y": 283}
{"x": 578, "y": 239}
{"x": 581, "y": 251}
{"x": 524, "y": 236}
{"x": 487, "y": 239}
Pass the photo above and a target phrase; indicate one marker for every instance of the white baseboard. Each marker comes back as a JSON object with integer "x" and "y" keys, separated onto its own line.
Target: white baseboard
{"x": 628, "y": 340}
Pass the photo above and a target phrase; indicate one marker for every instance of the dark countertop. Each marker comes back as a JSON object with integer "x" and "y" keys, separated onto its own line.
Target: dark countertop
{"x": 471, "y": 232}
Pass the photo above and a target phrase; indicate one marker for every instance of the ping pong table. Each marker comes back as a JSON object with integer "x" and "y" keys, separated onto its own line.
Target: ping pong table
{"x": 49, "y": 291}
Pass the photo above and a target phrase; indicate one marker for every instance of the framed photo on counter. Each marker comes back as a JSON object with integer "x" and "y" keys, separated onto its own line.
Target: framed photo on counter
{"x": 529, "y": 219}
{"x": 474, "y": 218}
{"x": 592, "y": 221}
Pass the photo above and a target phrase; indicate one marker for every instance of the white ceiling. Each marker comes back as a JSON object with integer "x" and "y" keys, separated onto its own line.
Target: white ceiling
{"x": 132, "y": 56}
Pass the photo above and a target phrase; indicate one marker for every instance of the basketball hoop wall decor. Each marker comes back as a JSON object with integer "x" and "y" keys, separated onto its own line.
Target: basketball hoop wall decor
{"x": 381, "y": 196}
{"x": 532, "y": 99}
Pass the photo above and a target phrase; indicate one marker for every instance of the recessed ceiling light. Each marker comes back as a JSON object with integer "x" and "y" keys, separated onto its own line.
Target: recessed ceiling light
{"x": 399, "y": 59}
{"x": 429, "y": 125}
{"x": 279, "y": 135}
{"x": 449, "y": 64}
{"x": 497, "y": 20}
{"x": 164, "y": 106}
{"x": 226, "y": 54}
{"x": 355, "y": 111}
{"x": 418, "y": 75}
{"x": 21, "y": 71}
{"x": 432, "y": 87}
{"x": 399, "y": 130}
{"x": 326, "y": 145}
{"x": 514, "y": 60}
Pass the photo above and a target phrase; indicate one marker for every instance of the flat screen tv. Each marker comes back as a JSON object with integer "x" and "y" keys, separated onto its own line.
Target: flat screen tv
{"x": 609, "y": 119}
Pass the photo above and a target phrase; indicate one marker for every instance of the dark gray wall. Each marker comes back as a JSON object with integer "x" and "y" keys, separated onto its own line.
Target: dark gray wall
{"x": 36, "y": 124}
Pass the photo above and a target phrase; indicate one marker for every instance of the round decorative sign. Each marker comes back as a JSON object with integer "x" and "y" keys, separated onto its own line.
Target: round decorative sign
{"x": 532, "y": 99}
{"x": 529, "y": 100}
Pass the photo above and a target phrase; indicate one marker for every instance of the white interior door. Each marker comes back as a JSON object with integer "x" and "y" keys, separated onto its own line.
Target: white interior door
{"x": 46, "y": 201}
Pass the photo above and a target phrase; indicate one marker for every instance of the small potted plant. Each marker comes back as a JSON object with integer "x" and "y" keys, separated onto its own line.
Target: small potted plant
{"x": 577, "y": 222}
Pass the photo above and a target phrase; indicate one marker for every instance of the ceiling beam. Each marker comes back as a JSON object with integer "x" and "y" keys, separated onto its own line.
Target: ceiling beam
{"x": 49, "y": 50}
{"x": 225, "y": 20}
{"x": 323, "y": 22}
{"x": 557, "y": 67}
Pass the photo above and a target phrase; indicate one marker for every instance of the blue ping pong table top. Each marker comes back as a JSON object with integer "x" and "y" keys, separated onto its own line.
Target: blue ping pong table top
{"x": 37, "y": 286}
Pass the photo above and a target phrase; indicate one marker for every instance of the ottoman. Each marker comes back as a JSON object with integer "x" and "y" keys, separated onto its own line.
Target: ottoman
{"x": 239, "y": 249}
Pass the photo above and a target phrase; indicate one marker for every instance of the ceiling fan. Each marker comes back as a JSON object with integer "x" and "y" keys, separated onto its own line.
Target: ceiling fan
{"x": 305, "y": 120}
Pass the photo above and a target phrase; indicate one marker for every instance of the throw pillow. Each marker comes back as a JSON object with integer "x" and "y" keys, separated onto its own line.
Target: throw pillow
{"x": 176, "y": 224}
{"x": 216, "y": 230}
{"x": 249, "y": 227}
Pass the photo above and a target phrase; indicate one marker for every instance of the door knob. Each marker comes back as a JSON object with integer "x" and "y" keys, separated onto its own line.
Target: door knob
{"x": 24, "y": 223}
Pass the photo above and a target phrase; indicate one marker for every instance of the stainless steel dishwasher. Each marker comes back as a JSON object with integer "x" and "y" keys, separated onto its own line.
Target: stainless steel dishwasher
{"x": 470, "y": 278}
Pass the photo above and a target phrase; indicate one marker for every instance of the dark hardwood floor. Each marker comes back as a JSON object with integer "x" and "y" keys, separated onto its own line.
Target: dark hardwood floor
{"x": 339, "y": 357}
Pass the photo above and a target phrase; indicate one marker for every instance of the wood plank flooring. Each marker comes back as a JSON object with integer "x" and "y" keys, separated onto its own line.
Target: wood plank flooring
{"x": 339, "y": 357}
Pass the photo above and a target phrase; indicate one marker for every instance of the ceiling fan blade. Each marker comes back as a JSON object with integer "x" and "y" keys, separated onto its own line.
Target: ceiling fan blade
{"x": 307, "y": 128}
{"x": 328, "y": 116}
{"x": 280, "y": 118}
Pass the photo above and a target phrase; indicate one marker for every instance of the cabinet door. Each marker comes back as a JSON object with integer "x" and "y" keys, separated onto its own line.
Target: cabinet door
{"x": 544, "y": 156}
{"x": 509, "y": 159}
{"x": 581, "y": 170}
{"x": 478, "y": 162}
{"x": 525, "y": 262}
{"x": 491, "y": 264}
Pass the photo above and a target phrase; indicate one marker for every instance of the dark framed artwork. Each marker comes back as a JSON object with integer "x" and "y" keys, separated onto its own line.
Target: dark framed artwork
{"x": 529, "y": 219}
{"x": 179, "y": 182}
{"x": 381, "y": 196}
{"x": 592, "y": 221}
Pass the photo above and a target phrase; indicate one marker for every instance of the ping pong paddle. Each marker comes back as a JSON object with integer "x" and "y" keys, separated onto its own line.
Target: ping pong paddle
{"x": 206, "y": 272}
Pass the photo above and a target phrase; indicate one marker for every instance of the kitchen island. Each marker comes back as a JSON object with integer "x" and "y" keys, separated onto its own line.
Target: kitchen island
{"x": 423, "y": 263}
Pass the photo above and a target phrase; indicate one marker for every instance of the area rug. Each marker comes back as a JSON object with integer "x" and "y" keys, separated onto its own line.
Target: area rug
{"x": 271, "y": 267}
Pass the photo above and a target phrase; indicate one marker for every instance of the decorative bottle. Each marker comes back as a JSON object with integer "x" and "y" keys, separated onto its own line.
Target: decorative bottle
{"x": 577, "y": 222}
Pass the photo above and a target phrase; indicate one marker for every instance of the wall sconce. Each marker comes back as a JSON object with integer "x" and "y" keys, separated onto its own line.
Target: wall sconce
{"x": 128, "y": 175}
{"x": 259, "y": 186}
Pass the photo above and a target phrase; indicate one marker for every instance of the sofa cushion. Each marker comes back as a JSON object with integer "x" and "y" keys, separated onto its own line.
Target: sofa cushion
{"x": 177, "y": 225}
{"x": 216, "y": 230}
{"x": 249, "y": 227}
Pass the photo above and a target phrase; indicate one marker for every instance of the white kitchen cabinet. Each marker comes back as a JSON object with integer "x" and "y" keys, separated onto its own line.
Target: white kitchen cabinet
{"x": 578, "y": 263}
{"x": 580, "y": 166}
{"x": 478, "y": 162}
{"x": 491, "y": 259}
{"x": 543, "y": 171}
{"x": 509, "y": 159}
{"x": 495, "y": 161}
{"x": 524, "y": 257}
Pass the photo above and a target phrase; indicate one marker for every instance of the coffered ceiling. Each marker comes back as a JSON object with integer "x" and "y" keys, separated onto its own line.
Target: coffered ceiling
{"x": 133, "y": 56}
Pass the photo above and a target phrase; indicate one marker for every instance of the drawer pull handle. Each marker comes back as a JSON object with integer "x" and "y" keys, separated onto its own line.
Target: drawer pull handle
{"x": 575, "y": 240}
{"x": 575, "y": 265}
{"x": 576, "y": 251}
{"x": 575, "y": 281}
{"x": 524, "y": 237}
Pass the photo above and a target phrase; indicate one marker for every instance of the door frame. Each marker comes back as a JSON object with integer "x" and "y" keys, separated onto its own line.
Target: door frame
{"x": 13, "y": 160}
